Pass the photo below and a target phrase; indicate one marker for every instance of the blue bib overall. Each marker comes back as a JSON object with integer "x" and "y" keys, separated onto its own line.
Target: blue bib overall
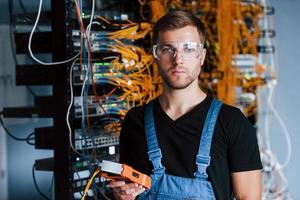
{"x": 165, "y": 186}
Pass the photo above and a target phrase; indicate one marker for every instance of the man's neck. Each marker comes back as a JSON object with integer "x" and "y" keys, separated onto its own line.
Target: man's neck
{"x": 178, "y": 102}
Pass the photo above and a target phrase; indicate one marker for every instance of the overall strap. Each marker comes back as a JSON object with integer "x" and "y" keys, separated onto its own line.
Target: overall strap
{"x": 154, "y": 151}
{"x": 203, "y": 156}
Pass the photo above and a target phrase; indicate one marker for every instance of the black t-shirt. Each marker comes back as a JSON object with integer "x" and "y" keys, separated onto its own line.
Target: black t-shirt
{"x": 234, "y": 146}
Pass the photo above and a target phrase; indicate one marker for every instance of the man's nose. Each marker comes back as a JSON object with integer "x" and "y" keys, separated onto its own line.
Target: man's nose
{"x": 178, "y": 57}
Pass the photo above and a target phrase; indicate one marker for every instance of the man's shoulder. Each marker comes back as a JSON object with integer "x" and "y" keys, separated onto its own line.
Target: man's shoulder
{"x": 230, "y": 109}
{"x": 232, "y": 114}
{"x": 137, "y": 112}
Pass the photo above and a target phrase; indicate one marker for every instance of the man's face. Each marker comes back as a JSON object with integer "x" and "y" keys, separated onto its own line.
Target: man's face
{"x": 180, "y": 55}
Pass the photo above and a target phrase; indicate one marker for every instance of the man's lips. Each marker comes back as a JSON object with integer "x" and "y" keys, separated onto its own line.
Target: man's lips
{"x": 177, "y": 71}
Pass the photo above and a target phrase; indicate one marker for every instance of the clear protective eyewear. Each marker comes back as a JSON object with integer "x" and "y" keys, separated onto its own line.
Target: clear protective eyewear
{"x": 187, "y": 50}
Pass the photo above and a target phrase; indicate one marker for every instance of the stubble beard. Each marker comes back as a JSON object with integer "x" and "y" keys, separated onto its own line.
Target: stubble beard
{"x": 177, "y": 83}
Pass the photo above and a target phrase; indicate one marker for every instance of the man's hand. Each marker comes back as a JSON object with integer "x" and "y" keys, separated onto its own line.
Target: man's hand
{"x": 125, "y": 191}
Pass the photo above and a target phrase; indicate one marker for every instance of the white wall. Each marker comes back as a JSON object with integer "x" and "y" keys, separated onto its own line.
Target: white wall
{"x": 287, "y": 99}
{"x": 16, "y": 157}
{"x": 3, "y": 166}
{"x": 7, "y": 82}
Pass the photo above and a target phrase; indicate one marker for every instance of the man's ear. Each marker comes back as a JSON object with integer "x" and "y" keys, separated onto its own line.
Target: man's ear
{"x": 202, "y": 56}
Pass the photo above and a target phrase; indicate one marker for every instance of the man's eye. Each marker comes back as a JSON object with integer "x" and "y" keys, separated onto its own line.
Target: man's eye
{"x": 167, "y": 50}
{"x": 189, "y": 50}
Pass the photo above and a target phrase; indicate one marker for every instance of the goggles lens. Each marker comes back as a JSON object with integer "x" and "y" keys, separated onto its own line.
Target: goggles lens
{"x": 187, "y": 50}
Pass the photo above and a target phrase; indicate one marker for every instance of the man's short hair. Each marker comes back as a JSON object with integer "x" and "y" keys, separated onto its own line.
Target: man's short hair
{"x": 175, "y": 20}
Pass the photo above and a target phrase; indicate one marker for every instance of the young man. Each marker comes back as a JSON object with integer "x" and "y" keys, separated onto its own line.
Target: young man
{"x": 192, "y": 145}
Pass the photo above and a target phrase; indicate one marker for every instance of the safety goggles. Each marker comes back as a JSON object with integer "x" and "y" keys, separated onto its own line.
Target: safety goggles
{"x": 187, "y": 50}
